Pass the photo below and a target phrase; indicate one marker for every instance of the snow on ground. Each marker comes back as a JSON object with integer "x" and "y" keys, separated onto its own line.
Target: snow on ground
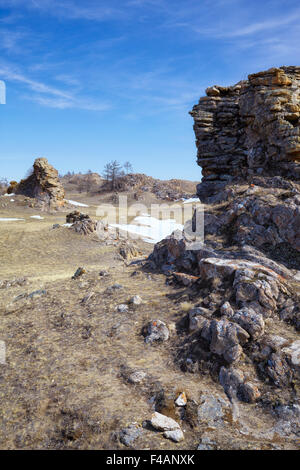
{"x": 8, "y": 195}
{"x": 67, "y": 225}
{"x": 74, "y": 203}
{"x": 36, "y": 217}
{"x": 8, "y": 219}
{"x": 149, "y": 228}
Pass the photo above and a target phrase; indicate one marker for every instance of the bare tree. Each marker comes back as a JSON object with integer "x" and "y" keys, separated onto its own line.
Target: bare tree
{"x": 112, "y": 171}
{"x": 128, "y": 167}
{"x": 3, "y": 185}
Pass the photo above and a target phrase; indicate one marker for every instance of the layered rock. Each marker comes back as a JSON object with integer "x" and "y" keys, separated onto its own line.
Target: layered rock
{"x": 244, "y": 276}
{"x": 81, "y": 223}
{"x": 251, "y": 128}
{"x": 43, "y": 184}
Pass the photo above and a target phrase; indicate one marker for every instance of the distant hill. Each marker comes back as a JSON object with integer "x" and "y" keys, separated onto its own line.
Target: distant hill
{"x": 138, "y": 183}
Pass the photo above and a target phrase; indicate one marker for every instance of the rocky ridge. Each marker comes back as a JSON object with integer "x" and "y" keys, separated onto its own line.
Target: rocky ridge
{"x": 251, "y": 128}
{"x": 243, "y": 279}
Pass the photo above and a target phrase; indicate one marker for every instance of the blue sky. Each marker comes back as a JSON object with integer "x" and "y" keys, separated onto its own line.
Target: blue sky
{"x": 94, "y": 80}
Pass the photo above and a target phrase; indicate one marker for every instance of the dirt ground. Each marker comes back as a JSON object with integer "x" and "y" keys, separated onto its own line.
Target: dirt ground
{"x": 69, "y": 352}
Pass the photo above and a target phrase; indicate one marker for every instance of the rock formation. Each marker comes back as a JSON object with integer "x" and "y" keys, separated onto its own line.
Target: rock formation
{"x": 81, "y": 223}
{"x": 43, "y": 185}
{"x": 245, "y": 275}
{"x": 251, "y": 128}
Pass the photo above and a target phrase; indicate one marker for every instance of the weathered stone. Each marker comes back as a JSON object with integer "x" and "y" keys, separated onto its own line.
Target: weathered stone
{"x": 135, "y": 300}
{"x": 176, "y": 435}
{"x": 197, "y": 319}
{"x": 251, "y": 321}
{"x": 227, "y": 310}
{"x": 212, "y": 410}
{"x": 226, "y": 338}
{"x": 185, "y": 279}
{"x": 235, "y": 386}
{"x": 292, "y": 352}
{"x": 278, "y": 370}
{"x": 181, "y": 400}
{"x": 157, "y": 331}
{"x": 79, "y": 272}
{"x": 163, "y": 423}
{"x": 130, "y": 434}
{"x": 129, "y": 251}
{"x": 122, "y": 308}
{"x": 137, "y": 377}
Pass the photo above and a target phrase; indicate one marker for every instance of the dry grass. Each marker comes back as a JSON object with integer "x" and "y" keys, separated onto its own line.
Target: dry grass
{"x": 64, "y": 382}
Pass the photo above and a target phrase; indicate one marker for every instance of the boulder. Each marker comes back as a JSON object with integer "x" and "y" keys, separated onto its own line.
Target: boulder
{"x": 44, "y": 185}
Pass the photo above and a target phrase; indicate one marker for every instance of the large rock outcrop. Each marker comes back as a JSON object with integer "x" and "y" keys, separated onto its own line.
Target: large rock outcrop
{"x": 43, "y": 185}
{"x": 251, "y": 128}
{"x": 244, "y": 277}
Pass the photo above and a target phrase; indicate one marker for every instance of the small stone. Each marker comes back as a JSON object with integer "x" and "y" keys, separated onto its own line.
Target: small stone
{"x": 136, "y": 300}
{"x": 130, "y": 434}
{"x": 79, "y": 272}
{"x": 251, "y": 321}
{"x": 185, "y": 279}
{"x": 227, "y": 310}
{"x": 212, "y": 410}
{"x": 176, "y": 435}
{"x": 137, "y": 377}
{"x": 206, "y": 444}
{"x": 113, "y": 288}
{"x": 248, "y": 393}
{"x": 103, "y": 273}
{"x": 181, "y": 400}
{"x": 117, "y": 286}
{"x": 37, "y": 293}
{"x": 163, "y": 423}
{"x": 293, "y": 353}
{"x": 122, "y": 308}
{"x": 157, "y": 331}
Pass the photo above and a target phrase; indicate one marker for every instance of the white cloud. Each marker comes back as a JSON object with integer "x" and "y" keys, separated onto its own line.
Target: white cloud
{"x": 52, "y": 97}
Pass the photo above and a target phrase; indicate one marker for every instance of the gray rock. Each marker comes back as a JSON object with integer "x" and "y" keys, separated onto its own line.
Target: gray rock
{"x": 227, "y": 310}
{"x": 212, "y": 410}
{"x": 130, "y": 434}
{"x": 292, "y": 352}
{"x": 163, "y": 423}
{"x": 206, "y": 444}
{"x": 136, "y": 300}
{"x": 37, "y": 293}
{"x": 137, "y": 377}
{"x": 226, "y": 338}
{"x": 157, "y": 331}
{"x": 251, "y": 321}
{"x": 122, "y": 308}
{"x": 176, "y": 435}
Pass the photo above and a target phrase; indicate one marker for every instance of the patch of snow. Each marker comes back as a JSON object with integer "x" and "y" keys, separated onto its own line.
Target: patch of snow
{"x": 36, "y": 217}
{"x": 12, "y": 200}
{"x": 150, "y": 229}
{"x": 74, "y": 203}
{"x": 8, "y": 195}
{"x": 67, "y": 225}
{"x": 8, "y": 219}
